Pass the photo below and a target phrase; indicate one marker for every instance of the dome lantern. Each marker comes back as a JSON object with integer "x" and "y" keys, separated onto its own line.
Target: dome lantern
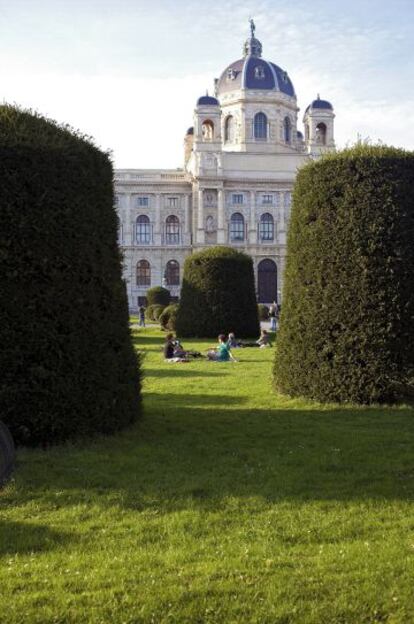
{"x": 252, "y": 46}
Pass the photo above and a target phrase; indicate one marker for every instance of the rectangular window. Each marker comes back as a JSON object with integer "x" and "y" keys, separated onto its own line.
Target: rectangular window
{"x": 237, "y": 198}
{"x": 173, "y": 202}
{"x": 267, "y": 199}
{"x": 143, "y": 202}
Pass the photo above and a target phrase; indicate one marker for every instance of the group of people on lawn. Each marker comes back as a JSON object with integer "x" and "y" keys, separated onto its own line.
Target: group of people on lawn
{"x": 174, "y": 352}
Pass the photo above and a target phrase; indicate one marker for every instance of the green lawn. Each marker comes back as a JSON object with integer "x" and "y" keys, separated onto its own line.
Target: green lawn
{"x": 224, "y": 505}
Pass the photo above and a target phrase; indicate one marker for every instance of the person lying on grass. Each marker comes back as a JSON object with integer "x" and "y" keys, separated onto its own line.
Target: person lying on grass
{"x": 222, "y": 352}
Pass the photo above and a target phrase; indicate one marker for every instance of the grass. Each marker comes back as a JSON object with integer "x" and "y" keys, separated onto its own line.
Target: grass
{"x": 226, "y": 504}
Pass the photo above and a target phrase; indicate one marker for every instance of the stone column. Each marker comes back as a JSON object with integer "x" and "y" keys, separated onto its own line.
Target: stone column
{"x": 157, "y": 227}
{"x": 200, "y": 219}
{"x": 187, "y": 220}
{"x": 221, "y": 232}
{"x": 252, "y": 226}
{"x": 186, "y": 214}
{"x": 128, "y": 224}
{"x": 281, "y": 222}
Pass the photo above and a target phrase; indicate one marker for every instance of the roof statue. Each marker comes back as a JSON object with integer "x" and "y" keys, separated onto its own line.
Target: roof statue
{"x": 252, "y": 27}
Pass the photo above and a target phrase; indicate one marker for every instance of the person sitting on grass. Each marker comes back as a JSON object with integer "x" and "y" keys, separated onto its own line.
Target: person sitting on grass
{"x": 264, "y": 340}
{"x": 232, "y": 343}
{"x": 222, "y": 352}
{"x": 171, "y": 352}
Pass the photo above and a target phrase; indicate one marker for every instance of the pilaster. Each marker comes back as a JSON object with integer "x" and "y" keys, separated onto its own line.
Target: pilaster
{"x": 221, "y": 234}
{"x": 200, "y": 217}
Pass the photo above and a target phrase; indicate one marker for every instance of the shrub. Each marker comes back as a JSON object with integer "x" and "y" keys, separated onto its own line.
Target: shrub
{"x": 157, "y": 310}
{"x": 346, "y": 330}
{"x": 218, "y": 294}
{"x": 168, "y": 318}
{"x": 7, "y": 454}
{"x": 149, "y": 312}
{"x": 67, "y": 361}
{"x": 263, "y": 311}
{"x": 158, "y": 296}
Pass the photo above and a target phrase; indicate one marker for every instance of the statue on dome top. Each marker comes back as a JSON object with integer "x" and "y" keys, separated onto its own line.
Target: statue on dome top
{"x": 252, "y": 27}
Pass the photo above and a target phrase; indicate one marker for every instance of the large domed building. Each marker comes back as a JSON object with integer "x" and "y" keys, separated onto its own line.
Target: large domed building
{"x": 241, "y": 156}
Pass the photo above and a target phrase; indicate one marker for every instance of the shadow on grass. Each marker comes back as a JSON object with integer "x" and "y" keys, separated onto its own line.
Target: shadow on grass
{"x": 188, "y": 400}
{"x": 183, "y": 455}
{"x": 24, "y": 537}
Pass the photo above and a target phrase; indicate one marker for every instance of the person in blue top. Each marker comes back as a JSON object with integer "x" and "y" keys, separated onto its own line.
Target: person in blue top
{"x": 222, "y": 352}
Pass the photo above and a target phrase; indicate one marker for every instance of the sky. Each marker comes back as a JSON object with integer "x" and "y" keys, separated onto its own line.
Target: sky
{"x": 128, "y": 73}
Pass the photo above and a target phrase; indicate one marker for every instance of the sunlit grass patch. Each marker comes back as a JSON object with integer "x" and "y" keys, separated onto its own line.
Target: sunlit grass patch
{"x": 226, "y": 504}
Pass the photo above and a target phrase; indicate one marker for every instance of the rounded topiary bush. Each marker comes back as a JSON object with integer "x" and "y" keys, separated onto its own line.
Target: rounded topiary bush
{"x": 168, "y": 317}
{"x": 346, "y": 329}
{"x": 67, "y": 361}
{"x": 218, "y": 295}
{"x": 263, "y": 311}
{"x": 158, "y": 296}
{"x": 157, "y": 311}
{"x": 149, "y": 312}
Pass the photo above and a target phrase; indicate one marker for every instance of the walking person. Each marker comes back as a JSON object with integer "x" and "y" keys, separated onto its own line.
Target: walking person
{"x": 272, "y": 315}
{"x": 141, "y": 313}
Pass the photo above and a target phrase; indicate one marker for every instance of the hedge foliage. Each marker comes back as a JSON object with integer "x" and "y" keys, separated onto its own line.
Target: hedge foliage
{"x": 158, "y": 296}
{"x": 168, "y": 317}
{"x": 67, "y": 363}
{"x": 149, "y": 312}
{"x": 157, "y": 310}
{"x": 348, "y": 307}
{"x": 218, "y": 295}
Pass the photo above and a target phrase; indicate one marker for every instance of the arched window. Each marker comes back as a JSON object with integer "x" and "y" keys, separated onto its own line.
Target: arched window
{"x": 229, "y": 129}
{"x": 172, "y": 230}
{"x": 143, "y": 273}
{"x": 260, "y": 126}
{"x": 321, "y": 134}
{"x": 267, "y": 227}
{"x": 143, "y": 230}
{"x": 237, "y": 227}
{"x": 287, "y": 130}
{"x": 172, "y": 273}
{"x": 207, "y": 130}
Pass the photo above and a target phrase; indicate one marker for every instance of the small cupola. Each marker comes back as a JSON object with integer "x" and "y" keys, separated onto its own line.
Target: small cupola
{"x": 252, "y": 46}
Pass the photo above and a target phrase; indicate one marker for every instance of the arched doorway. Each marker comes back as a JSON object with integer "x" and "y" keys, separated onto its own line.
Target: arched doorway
{"x": 267, "y": 281}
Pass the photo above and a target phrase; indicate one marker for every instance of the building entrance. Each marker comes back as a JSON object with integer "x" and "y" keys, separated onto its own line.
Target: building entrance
{"x": 267, "y": 281}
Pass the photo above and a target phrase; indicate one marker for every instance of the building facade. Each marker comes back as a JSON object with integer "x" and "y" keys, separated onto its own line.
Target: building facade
{"x": 241, "y": 157}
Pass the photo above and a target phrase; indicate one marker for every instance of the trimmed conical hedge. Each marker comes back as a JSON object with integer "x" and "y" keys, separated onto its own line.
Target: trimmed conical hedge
{"x": 218, "y": 295}
{"x": 347, "y": 323}
{"x": 67, "y": 363}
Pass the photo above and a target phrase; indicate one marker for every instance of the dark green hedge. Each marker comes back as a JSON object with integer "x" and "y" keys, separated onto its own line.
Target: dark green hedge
{"x": 347, "y": 323}
{"x": 157, "y": 311}
{"x": 67, "y": 363}
{"x": 218, "y": 295}
{"x": 168, "y": 317}
{"x": 158, "y": 296}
